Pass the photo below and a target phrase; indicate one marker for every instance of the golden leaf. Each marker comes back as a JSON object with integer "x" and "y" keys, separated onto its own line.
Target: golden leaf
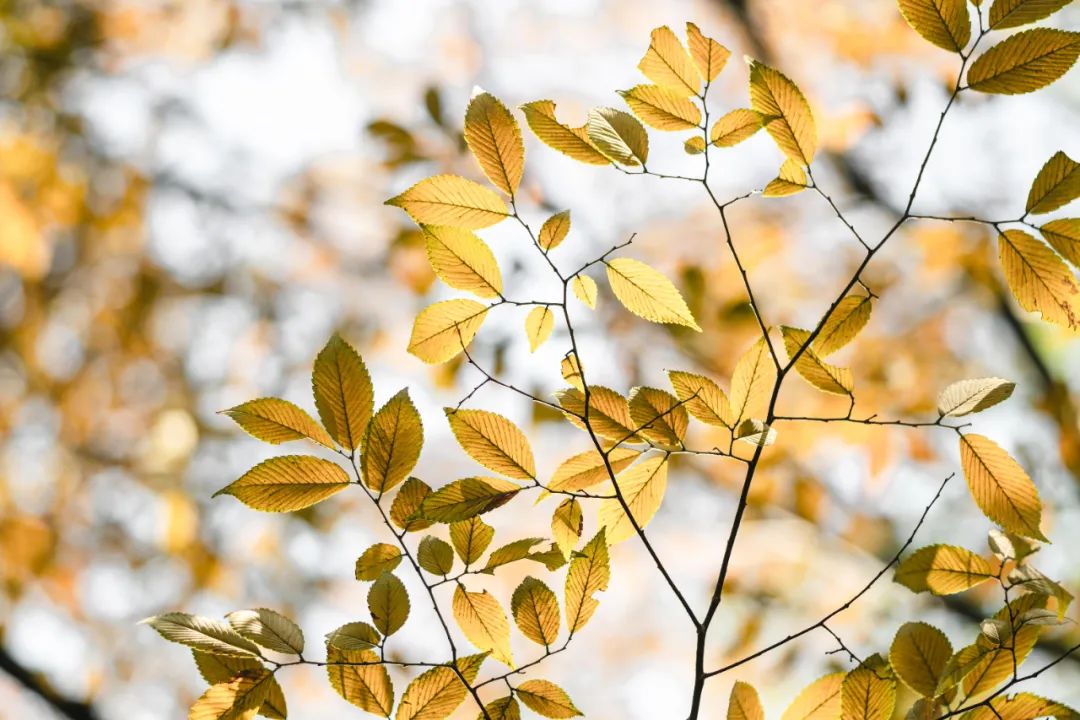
{"x": 511, "y": 552}
{"x": 702, "y": 397}
{"x": 708, "y": 55}
{"x": 1021, "y": 706}
{"x": 275, "y": 421}
{"x": 538, "y": 326}
{"x": 1064, "y": 236}
{"x": 609, "y": 412}
{"x": 435, "y": 555}
{"x": 536, "y": 611}
{"x": 662, "y": 108}
{"x": 571, "y": 371}
{"x": 820, "y": 700}
{"x": 784, "y": 112}
{"x": 587, "y": 469}
{"x": 493, "y": 135}
{"x": 392, "y": 443}
{"x": 790, "y": 180}
{"x": 267, "y": 628}
{"x": 589, "y": 574}
{"x": 648, "y": 294}
{"x": 504, "y": 708}
{"x": 972, "y": 396}
{"x": 466, "y": 498}
{"x": 945, "y": 23}
{"x": 443, "y": 330}
{"x": 744, "y": 703}
{"x": 662, "y": 419}
{"x": 436, "y": 693}
{"x": 919, "y": 654}
{"x": 216, "y": 669}
{"x": 388, "y": 603}
{"x": 1040, "y": 281}
{"x": 237, "y": 699}
{"x": 493, "y": 441}
{"x": 813, "y": 369}
{"x": 694, "y": 146}
{"x": 567, "y": 523}
{"x": 996, "y": 666}
{"x": 751, "y": 382}
{"x": 354, "y": 636}
{"x": 1014, "y": 13}
{"x": 1000, "y": 487}
{"x": 407, "y": 503}
{"x": 471, "y": 538}
{"x": 842, "y": 324}
{"x": 365, "y": 683}
{"x": 1057, "y": 183}
{"x": 554, "y": 231}
{"x": 733, "y": 128}
{"x": 942, "y": 570}
{"x": 463, "y": 261}
{"x": 642, "y": 488}
{"x": 547, "y": 699}
{"x": 572, "y": 142}
{"x": 754, "y": 432}
{"x": 204, "y": 634}
{"x": 868, "y": 692}
{"x": 618, "y": 135}
{"x": 667, "y": 63}
{"x": 451, "y": 200}
{"x": 287, "y": 483}
{"x": 584, "y": 288}
{"x": 483, "y": 622}
{"x": 343, "y": 393}
{"x": 1024, "y": 62}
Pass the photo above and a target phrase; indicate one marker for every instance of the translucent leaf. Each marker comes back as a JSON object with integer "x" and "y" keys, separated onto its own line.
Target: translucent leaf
{"x": 392, "y": 444}
{"x": 744, "y": 703}
{"x": 919, "y": 654}
{"x": 354, "y": 636}
{"x": 820, "y": 700}
{"x": 755, "y": 432}
{"x": 784, "y": 112}
{"x": 572, "y": 142}
{"x": 647, "y": 293}
{"x": 451, "y": 200}
{"x": 288, "y": 483}
{"x": 751, "y": 383}
{"x": 504, "y": 708}
{"x": 435, "y": 555}
{"x": 662, "y": 108}
{"x": 1000, "y": 487}
{"x": 493, "y": 441}
{"x": 493, "y": 135}
{"x": 609, "y": 412}
{"x": 1029, "y": 580}
{"x": 642, "y": 487}
{"x": 571, "y": 371}
{"x": 237, "y": 699}
{"x": 618, "y": 135}
{"x": 344, "y": 396}
{"x": 538, "y": 326}
{"x": 471, "y": 538}
{"x": 843, "y": 324}
{"x": 1014, "y": 13}
{"x": 1057, "y": 183}
{"x": 790, "y": 180}
{"x": 403, "y": 511}
{"x": 942, "y": 570}
{"x": 1021, "y": 706}
{"x": 587, "y": 469}
{"x": 433, "y": 695}
{"x": 547, "y": 699}
{"x": 584, "y": 288}
{"x": 997, "y": 666}
{"x": 388, "y": 603}
{"x": 868, "y": 691}
{"x": 466, "y": 498}
{"x": 267, "y": 628}
{"x": 1064, "y": 236}
{"x": 275, "y": 421}
{"x": 444, "y": 329}
{"x": 511, "y": 552}
{"x": 554, "y": 231}
{"x": 972, "y": 396}
{"x": 463, "y": 261}
{"x": 1039, "y": 279}
{"x": 589, "y": 574}
{"x": 702, "y": 397}
{"x": 813, "y": 369}
{"x": 204, "y": 634}
{"x": 733, "y": 128}
{"x": 365, "y": 683}
{"x": 708, "y": 55}
{"x": 566, "y": 525}
{"x": 536, "y": 611}
{"x": 945, "y": 23}
{"x": 483, "y": 622}
{"x": 667, "y": 63}
{"x": 694, "y": 146}
{"x": 662, "y": 418}
{"x": 1024, "y": 62}
{"x": 217, "y": 669}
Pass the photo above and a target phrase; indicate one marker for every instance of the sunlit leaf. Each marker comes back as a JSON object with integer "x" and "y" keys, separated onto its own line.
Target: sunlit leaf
{"x": 204, "y": 634}
{"x": 1014, "y": 13}
{"x": 618, "y": 135}
{"x": 392, "y": 443}
{"x": 471, "y": 538}
{"x": 945, "y": 23}
{"x": 584, "y": 288}
{"x": 647, "y": 293}
{"x": 269, "y": 629}
{"x": 784, "y": 112}
{"x": 436, "y": 693}
{"x": 754, "y": 432}
{"x": 588, "y": 468}
{"x": 1064, "y": 236}
{"x": 274, "y": 420}
{"x": 511, "y": 552}
{"x": 744, "y": 703}
{"x": 572, "y": 142}
{"x": 567, "y": 523}
{"x": 1000, "y": 487}
{"x": 1021, "y": 706}
{"x": 237, "y": 699}
{"x": 609, "y": 412}
{"x": 217, "y": 669}
{"x": 662, "y": 108}
{"x": 444, "y": 329}
{"x": 504, "y": 708}
{"x": 642, "y": 488}
{"x": 1057, "y": 183}
{"x": 483, "y": 622}
{"x": 662, "y": 419}
{"x": 820, "y": 700}
{"x": 694, "y": 146}
{"x": 751, "y": 383}
{"x": 708, "y": 55}
{"x": 667, "y": 63}
{"x": 554, "y": 231}
{"x": 493, "y": 135}
{"x": 868, "y": 691}
{"x": 702, "y": 397}
{"x": 971, "y": 396}
{"x": 451, "y": 200}
{"x": 388, "y": 603}
{"x": 942, "y": 570}
{"x": 357, "y": 676}
{"x": 287, "y": 483}
{"x": 403, "y": 511}
{"x": 354, "y": 636}
{"x": 493, "y": 441}
{"x": 1025, "y": 62}
{"x": 842, "y": 324}
{"x": 344, "y": 396}
{"x": 1039, "y": 279}
{"x": 570, "y": 369}
{"x": 919, "y": 654}
{"x": 466, "y": 498}
{"x": 463, "y": 261}
{"x": 536, "y": 611}
{"x": 435, "y": 555}
{"x": 825, "y": 377}
{"x": 733, "y": 128}
{"x": 538, "y": 326}
{"x": 589, "y": 574}
{"x": 790, "y": 180}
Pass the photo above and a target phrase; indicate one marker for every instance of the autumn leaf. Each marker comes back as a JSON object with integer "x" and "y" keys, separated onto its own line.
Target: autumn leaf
{"x": 275, "y": 421}
{"x": 586, "y": 469}
{"x": 269, "y": 629}
{"x": 466, "y": 498}
{"x": 791, "y": 179}
{"x": 1014, "y": 13}
{"x": 648, "y": 294}
{"x": 642, "y": 488}
{"x": 288, "y": 483}
{"x": 734, "y": 127}
{"x": 483, "y": 622}
{"x": 538, "y": 325}
{"x": 1000, "y": 487}
{"x": 784, "y": 112}
{"x": 662, "y": 108}
{"x": 1040, "y": 281}
{"x": 493, "y": 441}
{"x": 918, "y": 654}
{"x": 463, "y": 261}
{"x": 945, "y": 23}
{"x": 972, "y": 396}
{"x": 572, "y": 142}
{"x": 942, "y": 570}
{"x": 744, "y": 703}
{"x": 471, "y": 538}
{"x": 820, "y": 700}
{"x": 554, "y": 231}
{"x": 667, "y": 63}
{"x": 343, "y": 392}
{"x": 388, "y": 603}
{"x": 1057, "y": 183}
{"x": 1024, "y": 62}
{"x": 392, "y": 444}
{"x": 443, "y": 330}
{"x": 493, "y": 135}
{"x": 589, "y": 574}
{"x": 619, "y": 136}
{"x": 451, "y": 200}
{"x": 536, "y": 611}
{"x": 546, "y": 698}
{"x": 585, "y": 290}
{"x": 708, "y": 55}
{"x": 357, "y": 676}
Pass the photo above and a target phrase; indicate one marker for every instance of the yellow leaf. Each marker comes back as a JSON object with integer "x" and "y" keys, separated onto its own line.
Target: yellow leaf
{"x": 751, "y": 382}
{"x": 744, "y": 703}
{"x": 443, "y": 330}
{"x": 813, "y": 369}
{"x": 1014, "y": 13}
{"x": 997, "y": 665}
{"x": 436, "y": 693}
{"x": 942, "y": 570}
{"x": 1000, "y": 487}
{"x": 820, "y": 700}
{"x": 660, "y": 416}
{"x": 493, "y": 135}
{"x": 344, "y": 396}
{"x": 538, "y": 326}
{"x": 733, "y": 128}
{"x": 572, "y": 142}
{"x": 709, "y": 56}
{"x": 571, "y": 371}
{"x": 648, "y": 294}
{"x": 868, "y": 692}
{"x": 237, "y": 699}
{"x": 666, "y": 63}
{"x": 435, "y": 555}
{"x": 200, "y": 633}
{"x": 504, "y": 708}
{"x": 493, "y": 441}
{"x": 919, "y": 654}
{"x": 609, "y": 412}
{"x": 587, "y": 469}
{"x": 566, "y": 525}
{"x": 841, "y": 326}
{"x": 392, "y": 443}
{"x": 536, "y": 611}
{"x": 754, "y": 432}
{"x": 694, "y": 146}
{"x": 463, "y": 261}
{"x": 547, "y": 699}
{"x": 642, "y": 487}
{"x": 618, "y": 135}
{"x": 1040, "y": 281}
{"x": 790, "y": 180}
{"x": 471, "y": 538}
{"x": 1064, "y": 236}
{"x": 1057, "y": 183}
{"x": 365, "y": 683}
{"x": 217, "y": 669}
{"x": 945, "y": 23}
{"x": 483, "y": 622}
{"x": 287, "y": 483}
{"x": 354, "y": 636}
{"x": 972, "y": 396}
{"x": 451, "y": 200}
{"x": 589, "y": 574}
{"x": 1021, "y": 706}
{"x": 784, "y": 112}
{"x": 1024, "y": 62}
{"x": 511, "y": 552}
{"x": 466, "y": 498}
{"x": 554, "y": 231}
{"x": 584, "y": 288}
{"x": 407, "y": 502}
{"x": 267, "y": 628}
{"x": 276, "y": 421}
{"x": 388, "y": 603}
{"x": 702, "y": 397}
{"x": 662, "y": 108}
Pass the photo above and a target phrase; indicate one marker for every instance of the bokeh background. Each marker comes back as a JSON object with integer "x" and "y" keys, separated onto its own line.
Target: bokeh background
{"x": 191, "y": 202}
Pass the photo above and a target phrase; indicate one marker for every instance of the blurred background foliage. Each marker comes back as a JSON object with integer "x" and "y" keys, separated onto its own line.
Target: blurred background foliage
{"x": 191, "y": 202}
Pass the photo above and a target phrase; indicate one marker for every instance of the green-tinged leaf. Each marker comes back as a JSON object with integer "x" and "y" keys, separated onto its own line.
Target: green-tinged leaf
{"x": 377, "y": 559}
{"x": 618, "y": 135}
{"x": 1021, "y": 706}
{"x": 494, "y": 137}
{"x": 388, "y": 603}
{"x": 201, "y": 633}
{"x": 471, "y": 538}
{"x": 483, "y": 622}
{"x": 365, "y": 683}
{"x": 919, "y": 654}
{"x": 287, "y": 483}
{"x": 511, "y": 552}
{"x": 343, "y": 393}
{"x": 1064, "y": 236}
{"x": 825, "y": 377}
{"x": 1000, "y": 487}
{"x": 554, "y": 231}
{"x": 409, "y": 498}
{"x": 667, "y": 63}
{"x": 588, "y": 468}
{"x": 662, "y": 108}
{"x": 547, "y": 699}
{"x": 1014, "y": 13}
{"x": 1025, "y": 62}
{"x": 392, "y": 443}
{"x": 538, "y": 326}
{"x": 942, "y": 570}
{"x": 443, "y": 330}
{"x": 463, "y": 261}
{"x": 572, "y": 142}
{"x": 354, "y": 636}
{"x": 567, "y": 523}
{"x": 589, "y": 574}
{"x": 642, "y": 488}
{"x": 466, "y": 498}
{"x": 451, "y": 200}
{"x": 1057, "y": 184}
{"x": 275, "y": 421}
{"x": 661, "y": 417}
{"x": 504, "y": 708}
{"x": 435, "y": 555}
{"x": 536, "y": 611}
{"x": 269, "y": 629}
{"x": 842, "y": 324}
{"x": 945, "y": 23}
{"x": 708, "y": 55}
{"x": 731, "y": 129}
{"x": 791, "y": 179}
{"x": 784, "y": 112}
{"x": 647, "y": 293}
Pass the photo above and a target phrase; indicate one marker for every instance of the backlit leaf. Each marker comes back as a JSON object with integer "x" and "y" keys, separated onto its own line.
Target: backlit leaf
{"x": 287, "y": 483}
{"x": 1021, "y": 706}
{"x": 919, "y": 654}
{"x": 344, "y": 396}
{"x": 1064, "y": 236}
{"x": 942, "y": 570}
{"x": 1000, "y": 487}
{"x": 642, "y": 488}
{"x": 483, "y": 622}
{"x": 751, "y": 383}
{"x": 435, "y": 555}
{"x": 744, "y": 703}
{"x": 406, "y": 504}
{"x": 589, "y": 574}
{"x": 1057, "y": 183}
{"x": 609, "y": 412}
{"x": 647, "y": 293}
{"x": 466, "y": 498}
{"x": 547, "y": 699}
{"x": 1024, "y": 62}
{"x": 365, "y": 683}
{"x": 754, "y": 432}
{"x": 820, "y": 700}
{"x": 997, "y": 666}
{"x": 436, "y": 693}
{"x": 708, "y": 55}
{"x": 587, "y": 469}
{"x": 493, "y": 135}
{"x": 841, "y": 326}
{"x": 388, "y": 603}
{"x": 572, "y": 142}
{"x": 1039, "y": 279}
{"x": 511, "y": 552}
{"x": 972, "y": 396}
{"x": 618, "y": 135}
{"x": 471, "y": 538}
{"x": 784, "y": 112}
{"x": 275, "y": 421}
{"x": 813, "y": 369}
{"x": 790, "y": 180}
{"x": 216, "y": 669}
{"x": 1014, "y": 13}
{"x": 392, "y": 443}
{"x": 660, "y": 416}
{"x": 571, "y": 370}
{"x": 554, "y": 231}
{"x": 463, "y": 261}
{"x": 269, "y": 629}
{"x": 733, "y": 128}
{"x": 354, "y": 636}
{"x": 662, "y": 108}
{"x": 538, "y": 326}
{"x": 451, "y": 200}
{"x": 584, "y": 288}
{"x": 536, "y": 611}
{"x": 504, "y": 708}
{"x": 237, "y": 699}
{"x": 667, "y": 63}
{"x": 695, "y": 145}
{"x": 945, "y": 23}
{"x": 702, "y": 397}
{"x": 868, "y": 692}
{"x": 201, "y": 633}
{"x": 444, "y": 329}
{"x": 493, "y": 441}
{"x": 566, "y": 525}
